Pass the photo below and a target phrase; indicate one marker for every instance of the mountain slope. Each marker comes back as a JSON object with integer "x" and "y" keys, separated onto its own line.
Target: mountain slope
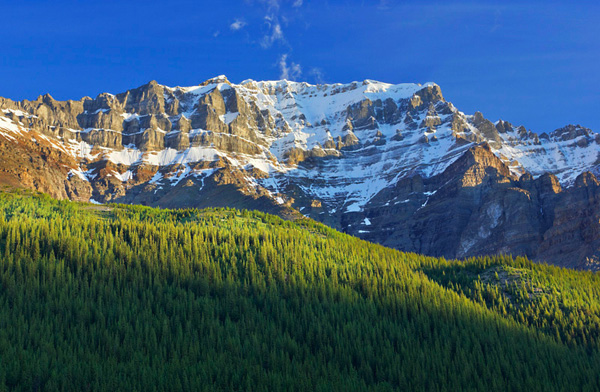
{"x": 133, "y": 298}
{"x": 368, "y": 158}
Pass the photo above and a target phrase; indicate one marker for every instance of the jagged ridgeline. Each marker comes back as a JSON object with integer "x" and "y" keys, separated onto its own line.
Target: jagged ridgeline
{"x": 133, "y": 298}
{"x": 398, "y": 165}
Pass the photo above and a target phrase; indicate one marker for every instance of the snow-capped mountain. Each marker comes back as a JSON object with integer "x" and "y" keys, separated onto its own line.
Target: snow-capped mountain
{"x": 365, "y": 157}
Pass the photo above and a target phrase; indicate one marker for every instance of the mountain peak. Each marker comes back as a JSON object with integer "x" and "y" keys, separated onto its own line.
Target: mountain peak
{"x": 570, "y": 132}
{"x": 216, "y": 80}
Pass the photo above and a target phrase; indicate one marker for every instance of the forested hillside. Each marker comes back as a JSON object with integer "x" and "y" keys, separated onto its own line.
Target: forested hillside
{"x": 139, "y": 299}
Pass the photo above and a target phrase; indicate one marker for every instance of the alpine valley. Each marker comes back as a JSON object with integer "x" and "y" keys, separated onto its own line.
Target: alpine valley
{"x": 397, "y": 165}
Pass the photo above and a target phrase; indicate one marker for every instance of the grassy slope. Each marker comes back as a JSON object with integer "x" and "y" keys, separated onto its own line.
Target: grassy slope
{"x": 134, "y": 298}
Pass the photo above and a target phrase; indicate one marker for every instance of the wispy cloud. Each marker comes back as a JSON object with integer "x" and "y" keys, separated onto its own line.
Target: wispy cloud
{"x": 272, "y": 5}
{"x": 290, "y": 71}
{"x": 275, "y": 32}
{"x": 238, "y": 24}
{"x": 271, "y": 36}
{"x": 317, "y": 75}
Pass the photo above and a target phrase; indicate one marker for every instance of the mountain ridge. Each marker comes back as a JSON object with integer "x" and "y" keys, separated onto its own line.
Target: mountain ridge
{"x": 340, "y": 153}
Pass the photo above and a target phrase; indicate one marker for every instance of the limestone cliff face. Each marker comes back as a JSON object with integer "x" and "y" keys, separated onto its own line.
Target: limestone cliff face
{"x": 573, "y": 238}
{"x": 394, "y": 164}
{"x": 477, "y": 207}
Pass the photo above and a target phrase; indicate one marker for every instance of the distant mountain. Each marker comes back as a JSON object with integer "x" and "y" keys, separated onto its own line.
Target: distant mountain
{"x": 393, "y": 164}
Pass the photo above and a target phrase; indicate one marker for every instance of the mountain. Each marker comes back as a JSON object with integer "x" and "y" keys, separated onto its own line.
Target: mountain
{"x": 394, "y": 164}
{"x": 124, "y": 298}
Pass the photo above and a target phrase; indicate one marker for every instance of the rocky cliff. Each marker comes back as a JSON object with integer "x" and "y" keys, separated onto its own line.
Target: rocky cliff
{"x": 394, "y": 164}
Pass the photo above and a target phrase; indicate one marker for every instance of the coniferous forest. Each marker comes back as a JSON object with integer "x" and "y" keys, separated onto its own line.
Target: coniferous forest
{"x": 139, "y": 299}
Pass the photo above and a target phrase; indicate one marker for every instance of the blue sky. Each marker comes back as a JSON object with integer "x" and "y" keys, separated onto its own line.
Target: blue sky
{"x": 531, "y": 63}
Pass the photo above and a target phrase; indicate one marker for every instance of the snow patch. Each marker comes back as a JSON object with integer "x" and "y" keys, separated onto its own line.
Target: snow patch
{"x": 79, "y": 173}
{"x": 228, "y": 117}
{"x": 124, "y": 177}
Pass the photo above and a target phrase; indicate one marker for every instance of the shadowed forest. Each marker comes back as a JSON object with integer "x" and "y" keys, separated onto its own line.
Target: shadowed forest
{"x": 139, "y": 299}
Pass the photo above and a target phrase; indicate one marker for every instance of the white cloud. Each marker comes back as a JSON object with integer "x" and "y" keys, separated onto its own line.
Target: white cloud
{"x": 273, "y": 5}
{"x": 275, "y": 32}
{"x": 290, "y": 72}
{"x": 317, "y": 75}
{"x": 237, "y": 25}
{"x": 278, "y": 14}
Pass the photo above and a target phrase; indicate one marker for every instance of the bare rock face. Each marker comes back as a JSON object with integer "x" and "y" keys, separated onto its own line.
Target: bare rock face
{"x": 478, "y": 166}
{"x": 37, "y": 165}
{"x": 144, "y": 100}
{"x": 487, "y": 128}
{"x": 100, "y": 119}
{"x": 102, "y": 138}
{"x": 585, "y": 180}
{"x": 574, "y": 236}
{"x": 439, "y": 215}
{"x": 210, "y": 107}
{"x": 349, "y": 140}
{"x": 477, "y": 207}
{"x": 425, "y": 96}
{"x": 570, "y": 132}
{"x": 178, "y": 140}
{"x": 394, "y": 164}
